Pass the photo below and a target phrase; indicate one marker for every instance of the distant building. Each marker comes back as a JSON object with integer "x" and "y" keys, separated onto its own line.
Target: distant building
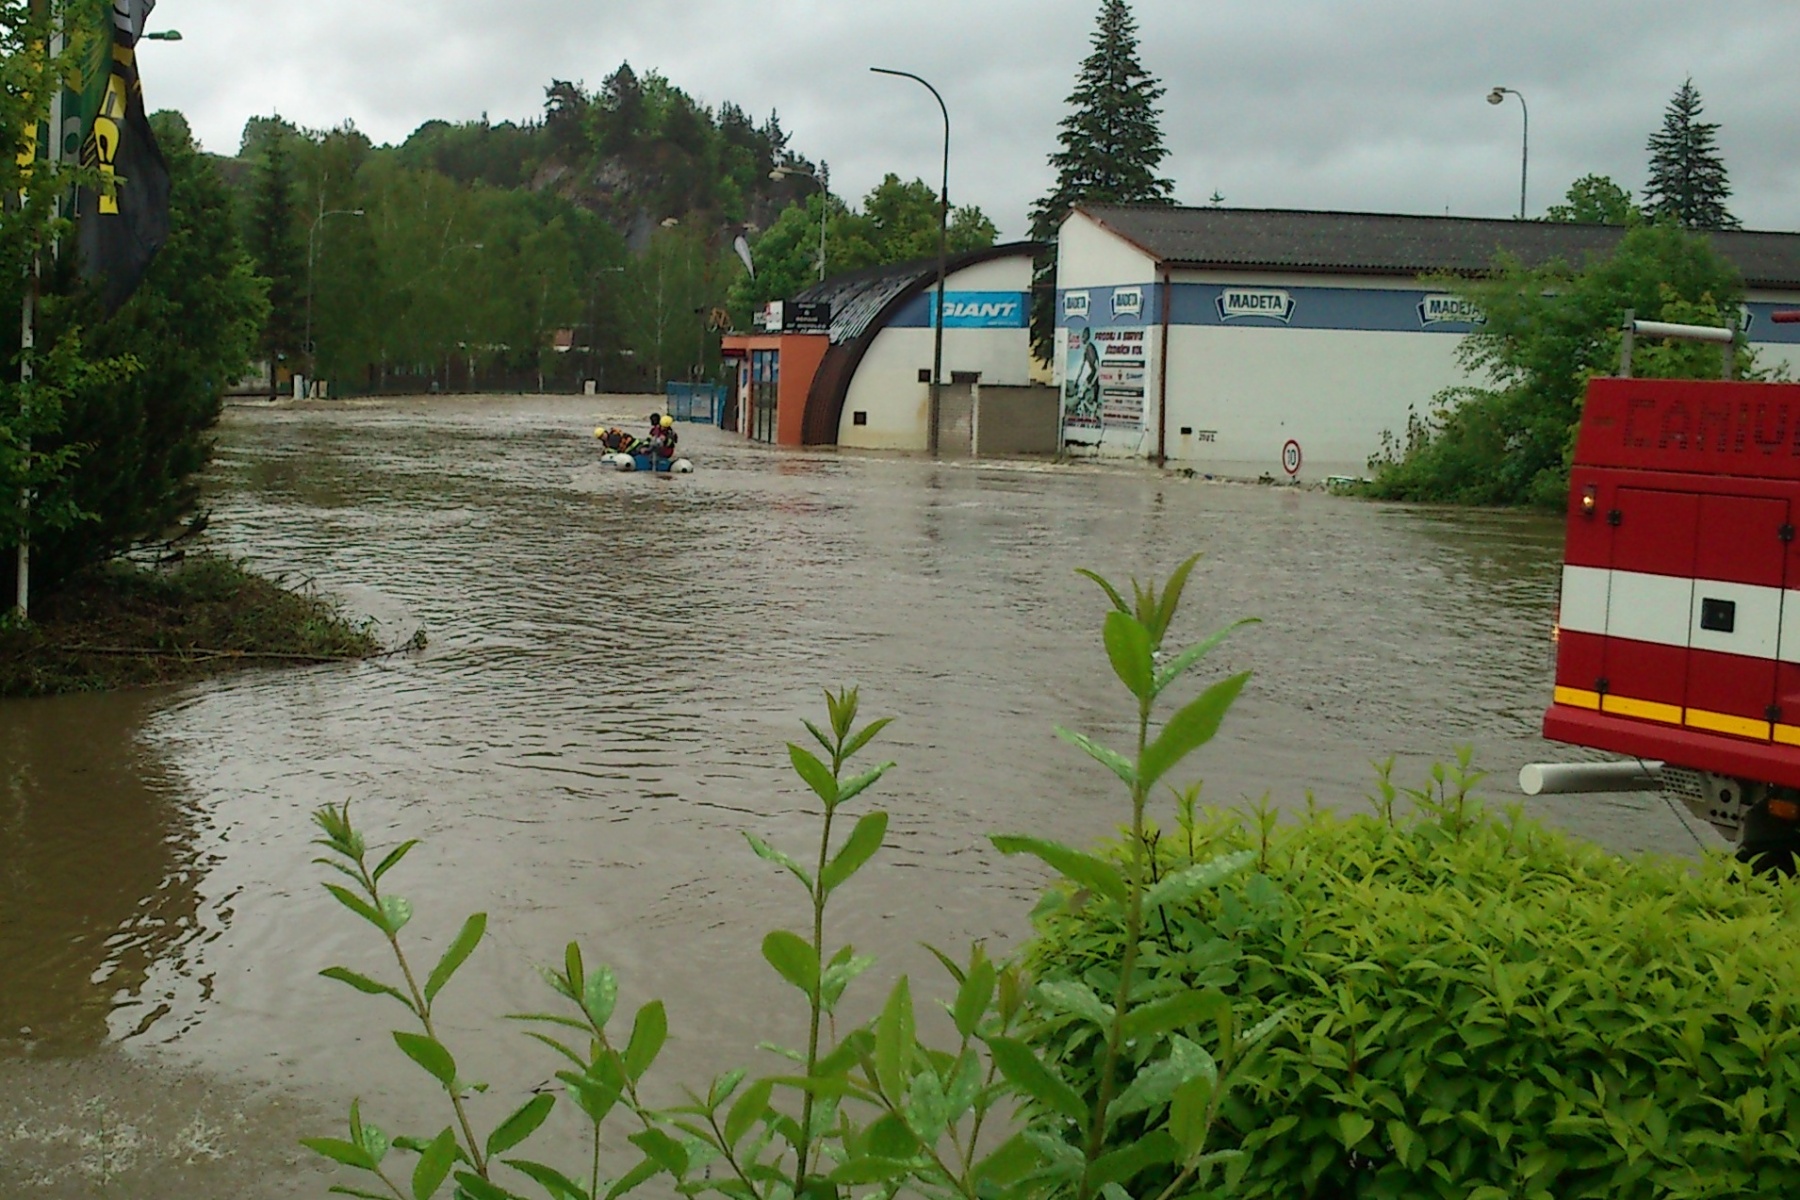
{"x": 1211, "y": 337}
{"x": 848, "y": 362}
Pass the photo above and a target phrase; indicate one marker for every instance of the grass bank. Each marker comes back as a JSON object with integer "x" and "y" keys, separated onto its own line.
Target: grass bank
{"x": 124, "y": 625}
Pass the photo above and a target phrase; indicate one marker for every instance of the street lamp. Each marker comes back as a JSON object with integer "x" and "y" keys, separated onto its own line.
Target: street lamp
{"x": 1498, "y": 96}
{"x": 780, "y": 173}
{"x": 311, "y": 258}
{"x": 937, "y": 344}
{"x": 162, "y": 35}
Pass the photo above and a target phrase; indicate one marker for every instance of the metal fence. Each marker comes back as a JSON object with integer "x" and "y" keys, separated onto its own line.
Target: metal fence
{"x": 699, "y": 402}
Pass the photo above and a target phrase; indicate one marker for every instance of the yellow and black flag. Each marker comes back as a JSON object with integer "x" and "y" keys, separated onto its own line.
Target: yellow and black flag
{"x": 123, "y": 220}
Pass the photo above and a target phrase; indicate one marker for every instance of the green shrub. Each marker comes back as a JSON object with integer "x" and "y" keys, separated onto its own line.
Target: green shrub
{"x": 1476, "y": 1006}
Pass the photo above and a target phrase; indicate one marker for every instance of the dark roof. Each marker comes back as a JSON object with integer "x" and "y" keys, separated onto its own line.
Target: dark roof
{"x": 857, "y": 299}
{"x": 1396, "y": 244}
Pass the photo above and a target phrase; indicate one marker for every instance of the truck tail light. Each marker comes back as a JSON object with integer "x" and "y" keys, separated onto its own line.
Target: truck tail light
{"x": 1590, "y": 500}
{"x": 1784, "y": 810}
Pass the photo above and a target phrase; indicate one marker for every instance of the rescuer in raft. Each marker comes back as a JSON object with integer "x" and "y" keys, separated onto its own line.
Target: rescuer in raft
{"x": 615, "y": 440}
{"x": 663, "y": 438}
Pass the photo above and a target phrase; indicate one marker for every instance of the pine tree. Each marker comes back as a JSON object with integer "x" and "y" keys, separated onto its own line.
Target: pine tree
{"x": 1688, "y": 182}
{"x": 275, "y": 249}
{"x": 1110, "y": 148}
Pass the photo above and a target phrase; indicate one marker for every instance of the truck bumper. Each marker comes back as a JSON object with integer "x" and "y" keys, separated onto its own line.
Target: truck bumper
{"x": 1763, "y": 762}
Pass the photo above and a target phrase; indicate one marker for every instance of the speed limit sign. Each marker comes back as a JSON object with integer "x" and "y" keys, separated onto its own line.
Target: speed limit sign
{"x": 1290, "y": 457}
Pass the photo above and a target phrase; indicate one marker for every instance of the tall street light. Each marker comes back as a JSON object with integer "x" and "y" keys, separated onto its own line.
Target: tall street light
{"x": 937, "y": 324}
{"x": 780, "y": 173}
{"x": 311, "y": 258}
{"x": 1498, "y": 96}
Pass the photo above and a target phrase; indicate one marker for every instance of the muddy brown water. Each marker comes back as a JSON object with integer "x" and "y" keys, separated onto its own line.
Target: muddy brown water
{"x": 615, "y": 662}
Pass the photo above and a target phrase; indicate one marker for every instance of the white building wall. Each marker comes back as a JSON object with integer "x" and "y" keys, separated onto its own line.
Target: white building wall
{"x": 886, "y": 387}
{"x": 1093, "y": 264}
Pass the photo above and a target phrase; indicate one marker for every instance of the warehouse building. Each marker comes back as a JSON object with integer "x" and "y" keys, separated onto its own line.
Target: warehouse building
{"x": 1214, "y": 338}
{"x": 848, "y": 362}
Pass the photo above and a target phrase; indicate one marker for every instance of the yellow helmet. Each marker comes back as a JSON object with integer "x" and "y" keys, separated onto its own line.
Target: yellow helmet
{"x": 668, "y": 422}
{"x": 600, "y": 432}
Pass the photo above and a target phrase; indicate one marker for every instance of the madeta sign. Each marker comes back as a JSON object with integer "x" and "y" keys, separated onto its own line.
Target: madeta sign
{"x": 1237, "y": 303}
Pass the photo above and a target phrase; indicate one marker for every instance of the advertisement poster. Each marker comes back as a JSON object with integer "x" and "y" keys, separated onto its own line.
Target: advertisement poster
{"x": 1104, "y": 375}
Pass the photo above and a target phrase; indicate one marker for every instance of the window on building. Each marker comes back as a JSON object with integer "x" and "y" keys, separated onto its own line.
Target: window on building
{"x": 765, "y": 388}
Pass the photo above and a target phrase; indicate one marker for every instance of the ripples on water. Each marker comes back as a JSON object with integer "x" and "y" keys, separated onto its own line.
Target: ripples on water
{"x": 615, "y": 663}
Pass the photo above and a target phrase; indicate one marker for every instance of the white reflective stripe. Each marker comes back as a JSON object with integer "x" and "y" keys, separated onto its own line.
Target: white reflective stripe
{"x": 1790, "y": 629}
{"x": 1650, "y": 608}
{"x": 1584, "y": 599}
{"x": 1756, "y": 620}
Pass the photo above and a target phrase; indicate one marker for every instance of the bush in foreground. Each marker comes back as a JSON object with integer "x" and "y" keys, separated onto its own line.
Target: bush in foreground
{"x": 1478, "y": 1007}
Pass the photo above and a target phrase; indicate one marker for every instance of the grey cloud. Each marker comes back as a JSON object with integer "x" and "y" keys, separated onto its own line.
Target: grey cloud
{"x": 1371, "y": 105}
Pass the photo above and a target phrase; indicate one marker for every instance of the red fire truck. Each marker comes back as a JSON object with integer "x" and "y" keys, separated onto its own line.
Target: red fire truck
{"x": 1678, "y": 632}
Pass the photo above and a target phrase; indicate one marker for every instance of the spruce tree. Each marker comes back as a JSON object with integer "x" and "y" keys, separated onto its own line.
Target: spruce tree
{"x": 275, "y": 249}
{"x": 1688, "y": 184}
{"x": 1109, "y": 149}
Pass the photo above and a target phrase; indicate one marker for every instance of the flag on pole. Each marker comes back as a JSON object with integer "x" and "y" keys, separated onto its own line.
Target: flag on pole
{"x": 742, "y": 246}
{"x": 123, "y": 220}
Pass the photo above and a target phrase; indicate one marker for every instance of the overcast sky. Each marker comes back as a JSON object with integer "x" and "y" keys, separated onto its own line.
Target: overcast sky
{"x": 1363, "y": 105}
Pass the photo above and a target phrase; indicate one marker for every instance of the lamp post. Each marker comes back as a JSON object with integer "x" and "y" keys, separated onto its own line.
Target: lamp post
{"x": 1498, "y": 96}
{"x": 311, "y": 258}
{"x": 780, "y": 173}
{"x": 937, "y": 334}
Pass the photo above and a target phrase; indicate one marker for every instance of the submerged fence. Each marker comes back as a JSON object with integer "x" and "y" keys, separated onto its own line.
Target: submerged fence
{"x": 700, "y": 402}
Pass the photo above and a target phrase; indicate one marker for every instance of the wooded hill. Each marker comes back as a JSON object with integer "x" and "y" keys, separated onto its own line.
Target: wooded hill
{"x": 612, "y": 216}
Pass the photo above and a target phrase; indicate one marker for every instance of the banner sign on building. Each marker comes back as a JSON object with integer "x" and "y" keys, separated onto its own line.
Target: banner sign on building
{"x": 1128, "y": 302}
{"x": 1075, "y": 304}
{"x": 982, "y": 310}
{"x": 1235, "y": 304}
{"x": 1104, "y": 377}
{"x": 1453, "y": 310}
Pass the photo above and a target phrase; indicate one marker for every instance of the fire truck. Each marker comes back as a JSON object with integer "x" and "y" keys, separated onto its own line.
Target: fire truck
{"x": 1678, "y": 630}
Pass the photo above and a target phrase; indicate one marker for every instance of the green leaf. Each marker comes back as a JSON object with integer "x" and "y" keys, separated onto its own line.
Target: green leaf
{"x": 816, "y": 774}
{"x": 839, "y": 975}
{"x": 648, "y": 1032}
{"x": 867, "y": 735}
{"x": 1174, "y": 1012}
{"x": 747, "y": 1110}
{"x": 1112, "y": 593}
{"x": 434, "y": 1165}
{"x": 1156, "y": 1084}
{"x": 1178, "y": 666}
{"x": 1078, "y": 998}
{"x": 857, "y": 785}
{"x": 473, "y": 1187}
{"x": 634, "y": 1178}
{"x": 974, "y": 997}
{"x": 894, "y": 1041}
{"x": 1090, "y": 872}
{"x": 456, "y": 955}
{"x": 577, "y": 977}
{"x": 560, "y": 1186}
{"x": 364, "y": 984}
{"x": 668, "y": 1153}
{"x": 1153, "y": 1149}
{"x": 430, "y": 1054}
{"x": 521, "y": 1125}
{"x": 859, "y": 848}
{"x": 396, "y": 911}
{"x": 1128, "y": 646}
{"x": 340, "y": 1151}
{"x": 1190, "y": 1112}
{"x": 872, "y": 1170}
{"x": 794, "y": 960}
{"x": 1353, "y": 1127}
{"x": 1171, "y": 599}
{"x": 338, "y": 1189}
{"x": 600, "y": 996}
{"x": 1011, "y": 1162}
{"x": 766, "y": 851}
{"x": 393, "y": 858}
{"x": 1026, "y": 1072}
{"x": 1184, "y": 885}
{"x": 1189, "y": 729}
{"x": 357, "y": 905}
{"x": 1109, "y": 758}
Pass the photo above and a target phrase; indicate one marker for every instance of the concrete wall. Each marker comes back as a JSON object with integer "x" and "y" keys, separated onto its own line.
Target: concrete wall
{"x": 956, "y": 420}
{"x": 886, "y": 388}
{"x": 1016, "y": 420}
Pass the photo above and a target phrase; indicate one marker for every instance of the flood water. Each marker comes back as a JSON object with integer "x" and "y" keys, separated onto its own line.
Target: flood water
{"x": 615, "y": 663}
